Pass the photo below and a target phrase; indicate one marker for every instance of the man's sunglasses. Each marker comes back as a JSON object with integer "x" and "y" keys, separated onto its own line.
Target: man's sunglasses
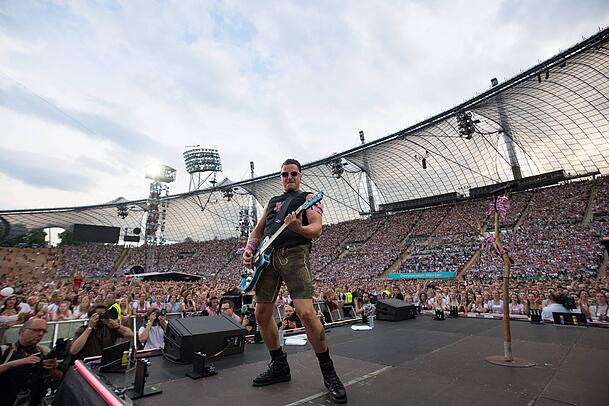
{"x": 293, "y": 173}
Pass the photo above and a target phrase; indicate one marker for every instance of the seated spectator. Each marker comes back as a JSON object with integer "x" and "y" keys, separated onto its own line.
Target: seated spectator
{"x": 468, "y": 306}
{"x": 290, "y": 319}
{"x": 479, "y": 306}
{"x": 533, "y": 303}
{"x": 452, "y": 300}
{"x": 63, "y": 312}
{"x": 152, "y": 335}
{"x": 423, "y": 301}
{"x": 90, "y": 340}
{"x": 141, "y": 306}
{"x": 515, "y": 306}
{"x": 557, "y": 305}
{"x": 173, "y": 305}
{"x": 228, "y": 310}
{"x": 27, "y": 307}
{"x": 54, "y": 302}
{"x": 41, "y": 311}
{"x": 496, "y": 304}
{"x": 439, "y": 303}
{"x": 21, "y": 371}
{"x": 600, "y": 310}
{"x": 213, "y": 307}
{"x": 80, "y": 311}
{"x": 123, "y": 302}
{"x": 189, "y": 305}
{"x": 583, "y": 305}
{"x": 9, "y": 315}
{"x": 10, "y": 306}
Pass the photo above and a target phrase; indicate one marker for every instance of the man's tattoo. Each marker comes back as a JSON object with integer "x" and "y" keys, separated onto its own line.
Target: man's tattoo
{"x": 322, "y": 336}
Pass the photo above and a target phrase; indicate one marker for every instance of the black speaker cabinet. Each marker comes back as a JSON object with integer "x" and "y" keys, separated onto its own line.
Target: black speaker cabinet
{"x": 209, "y": 335}
{"x": 394, "y": 310}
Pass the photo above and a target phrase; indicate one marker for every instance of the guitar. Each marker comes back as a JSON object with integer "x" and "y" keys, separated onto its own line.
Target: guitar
{"x": 262, "y": 257}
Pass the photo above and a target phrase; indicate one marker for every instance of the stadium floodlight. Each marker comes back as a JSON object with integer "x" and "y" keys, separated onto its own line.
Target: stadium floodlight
{"x": 466, "y": 124}
{"x": 202, "y": 160}
{"x": 160, "y": 173}
{"x": 228, "y": 194}
{"x": 202, "y": 164}
{"x": 122, "y": 211}
{"x": 337, "y": 167}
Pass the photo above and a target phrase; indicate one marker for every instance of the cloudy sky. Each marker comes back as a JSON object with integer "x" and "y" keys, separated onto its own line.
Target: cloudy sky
{"x": 93, "y": 91}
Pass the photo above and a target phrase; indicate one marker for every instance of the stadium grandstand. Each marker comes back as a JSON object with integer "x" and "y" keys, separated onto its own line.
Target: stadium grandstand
{"x": 401, "y": 213}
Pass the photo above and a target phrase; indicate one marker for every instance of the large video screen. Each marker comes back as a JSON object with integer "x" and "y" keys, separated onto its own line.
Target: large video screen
{"x": 91, "y": 233}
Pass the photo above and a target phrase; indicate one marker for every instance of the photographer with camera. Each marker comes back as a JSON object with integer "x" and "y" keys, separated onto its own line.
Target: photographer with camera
{"x": 101, "y": 332}
{"x": 26, "y": 370}
{"x": 153, "y": 334}
{"x": 290, "y": 319}
{"x": 365, "y": 309}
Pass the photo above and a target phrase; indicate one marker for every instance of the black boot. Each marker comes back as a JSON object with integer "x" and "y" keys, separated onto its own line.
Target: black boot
{"x": 333, "y": 383}
{"x": 279, "y": 371}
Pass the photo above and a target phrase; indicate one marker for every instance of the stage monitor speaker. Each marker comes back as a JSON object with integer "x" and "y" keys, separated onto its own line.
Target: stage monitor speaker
{"x": 213, "y": 336}
{"x": 394, "y": 310}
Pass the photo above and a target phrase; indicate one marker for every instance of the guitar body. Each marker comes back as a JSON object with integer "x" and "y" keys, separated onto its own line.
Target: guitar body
{"x": 260, "y": 261}
{"x": 262, "y": 257}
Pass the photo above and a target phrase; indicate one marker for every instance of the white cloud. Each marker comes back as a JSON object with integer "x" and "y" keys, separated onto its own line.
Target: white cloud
{"x": 257, "y": 80}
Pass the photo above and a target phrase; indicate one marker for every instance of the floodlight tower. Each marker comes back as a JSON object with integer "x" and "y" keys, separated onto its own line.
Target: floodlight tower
{"x": 202, "y": 164}
{"x": 156, "y": 209}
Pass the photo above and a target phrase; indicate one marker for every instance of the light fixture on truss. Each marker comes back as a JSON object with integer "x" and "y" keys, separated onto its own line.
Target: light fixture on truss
{"x": 337, "y": 167}
{"x": 423, "y": 158}
{"x": 466, "y": 124}
{"x": 228, "y": 194}
{"x": 122, "y": 211}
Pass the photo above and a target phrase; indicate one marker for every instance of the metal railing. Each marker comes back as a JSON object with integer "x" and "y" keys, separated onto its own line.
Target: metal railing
{"x": 66, "y": 329}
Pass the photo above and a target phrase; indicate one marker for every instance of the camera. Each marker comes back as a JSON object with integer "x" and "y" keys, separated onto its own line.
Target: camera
{"x": 109, "y": 314}
{"x": 60, "y": 351}
{"x": 569, "y": 302}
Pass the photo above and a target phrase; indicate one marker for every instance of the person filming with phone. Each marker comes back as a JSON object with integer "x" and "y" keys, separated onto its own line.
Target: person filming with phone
{"x": 26, "y": 367}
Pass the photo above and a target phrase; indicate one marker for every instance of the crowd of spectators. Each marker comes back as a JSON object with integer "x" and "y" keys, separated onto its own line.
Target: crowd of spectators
{"x": 70, "y": 300}
{"x": 202, "y": 257}
{"x": 552, "y": 245}
{"x": 549, "y": 231}
{"x": 95, "y": 260}
{"x": 448, "y": 254}
{"x": 564, "y": 204}
{"x": 601, "y": 200}
{"x": 27, "y": 260}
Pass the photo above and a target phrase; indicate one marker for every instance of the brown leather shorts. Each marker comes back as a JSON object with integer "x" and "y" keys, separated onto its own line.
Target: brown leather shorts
{"x": 290, "y": 265}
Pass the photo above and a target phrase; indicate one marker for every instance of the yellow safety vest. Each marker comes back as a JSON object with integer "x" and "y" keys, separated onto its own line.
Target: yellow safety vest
{"x": 348, "y": 297}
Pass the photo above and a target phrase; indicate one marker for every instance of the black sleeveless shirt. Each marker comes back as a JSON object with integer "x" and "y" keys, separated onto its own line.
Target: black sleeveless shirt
{"x": 287, "y": 238}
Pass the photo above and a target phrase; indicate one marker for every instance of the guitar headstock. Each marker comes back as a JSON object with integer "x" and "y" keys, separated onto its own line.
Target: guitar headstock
{"x": 314, "y": 199}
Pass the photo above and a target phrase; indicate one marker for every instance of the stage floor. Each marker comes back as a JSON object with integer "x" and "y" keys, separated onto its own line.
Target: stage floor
{"x": 412, "y": 362}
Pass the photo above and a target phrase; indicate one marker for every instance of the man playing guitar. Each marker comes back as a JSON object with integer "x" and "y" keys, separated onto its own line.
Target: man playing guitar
{"x": 290, "y": 263}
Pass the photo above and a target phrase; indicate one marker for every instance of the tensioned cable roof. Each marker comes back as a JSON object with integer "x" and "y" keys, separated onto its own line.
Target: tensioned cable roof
{"x": 556, "y": 114}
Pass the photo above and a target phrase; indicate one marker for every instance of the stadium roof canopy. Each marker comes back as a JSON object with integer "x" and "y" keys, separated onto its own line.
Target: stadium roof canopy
{"x": 556, "y": 114}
